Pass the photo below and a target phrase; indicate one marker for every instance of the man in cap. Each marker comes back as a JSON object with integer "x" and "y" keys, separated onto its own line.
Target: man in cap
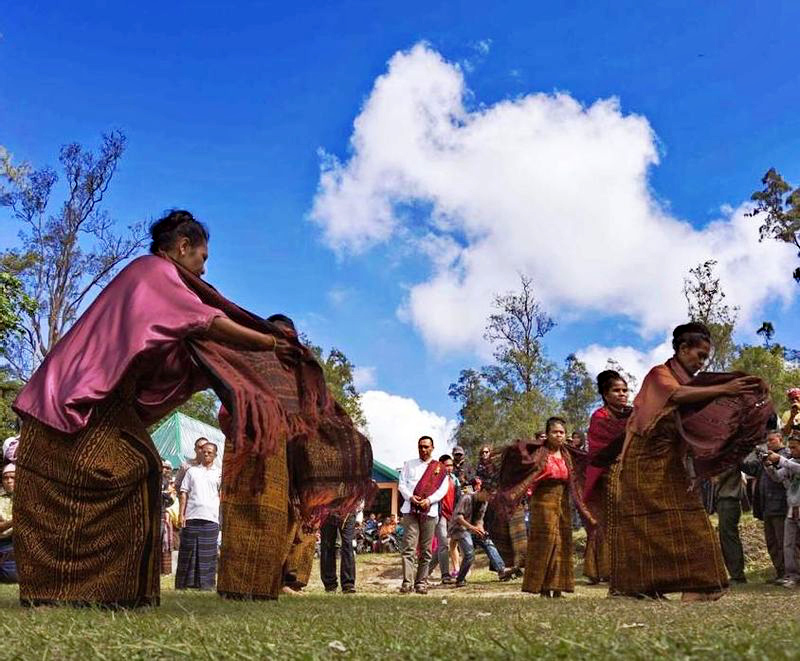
{"x": 462, "y": 471}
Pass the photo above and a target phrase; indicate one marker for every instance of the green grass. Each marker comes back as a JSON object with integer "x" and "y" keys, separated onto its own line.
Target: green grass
{"x": 485, "y": 620}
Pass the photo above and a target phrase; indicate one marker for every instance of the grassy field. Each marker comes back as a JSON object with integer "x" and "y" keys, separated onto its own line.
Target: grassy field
{"x": 485, "y": 620}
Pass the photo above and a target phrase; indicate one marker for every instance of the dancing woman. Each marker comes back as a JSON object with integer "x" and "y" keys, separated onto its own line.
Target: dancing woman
{"x": 661, "y": 538}
{"x": 546, "y": 471}
{"x": 87, "y": 509}
{"x": 605, "y": 438}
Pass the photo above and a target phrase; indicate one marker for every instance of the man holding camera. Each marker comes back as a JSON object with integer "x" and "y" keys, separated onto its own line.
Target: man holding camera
{"x": 769, "y": 499}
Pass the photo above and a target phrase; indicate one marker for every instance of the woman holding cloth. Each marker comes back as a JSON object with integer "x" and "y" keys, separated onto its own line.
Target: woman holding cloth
{"x": 661, "y": 538}
{"x": 88, "y": 501}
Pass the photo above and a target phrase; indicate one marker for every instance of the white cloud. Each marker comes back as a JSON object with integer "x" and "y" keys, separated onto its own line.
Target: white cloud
{"x": 637, "y": 363}
{"x": 395, "y": 423}
{"x": 364, "y": 377}
{"x": 538, "y": 184}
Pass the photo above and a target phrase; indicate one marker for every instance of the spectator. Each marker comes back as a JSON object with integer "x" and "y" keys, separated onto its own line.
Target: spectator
{"x": 466, "y": 527}
{"x": 387, "y": 534}
{"x": 446, "y": 506}
{"x": 578, "y": 440}
{"x": 345, "y": 528}
{"x": 199, "y": 520}
{"x": 8, "y": 565}
{"x": 787, "y": 471}
{"x": 10, "y": 446}
{"x": 186, "y": 465}
{"x": 167, "y": 527}
{"x": 790, "y": 420}
{"x": 728, "y": 502}
{"x": 486, "y": 469}
{"x": 423, "y": 483}
{"x": 769, "y": 502}
{"x": 461, "y": 469}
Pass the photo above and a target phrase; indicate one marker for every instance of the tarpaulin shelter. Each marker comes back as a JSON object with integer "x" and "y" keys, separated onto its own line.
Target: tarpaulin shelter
{"x": 174, "y": 438}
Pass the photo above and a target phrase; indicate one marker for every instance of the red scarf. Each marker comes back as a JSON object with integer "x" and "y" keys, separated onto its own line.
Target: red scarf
{"x": 267, "y": 402}
{"x": 606, "y": 437}
{"x": 430, "y": 481}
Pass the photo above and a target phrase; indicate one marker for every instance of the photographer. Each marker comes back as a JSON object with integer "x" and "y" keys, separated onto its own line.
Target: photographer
{"x": 787, "y": 471}
{"x": 769, "y": 499}
{"x": 790, "y": 420}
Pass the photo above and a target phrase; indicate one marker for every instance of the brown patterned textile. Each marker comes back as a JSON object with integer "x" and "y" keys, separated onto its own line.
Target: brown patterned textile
{"x": 300, "y": 554}
{"x": 548, "y": 565}
{"x": 87, "y": 510}
{"x": 597, "y": 559}
{"x": 661, "y": 538}
{"x": 510, "y": 535}
{"x": 254, "y": 528}
{"x": 722, "y": 432}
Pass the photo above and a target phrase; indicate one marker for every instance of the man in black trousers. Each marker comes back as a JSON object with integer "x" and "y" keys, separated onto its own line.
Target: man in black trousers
{"x": 327, "y": 553}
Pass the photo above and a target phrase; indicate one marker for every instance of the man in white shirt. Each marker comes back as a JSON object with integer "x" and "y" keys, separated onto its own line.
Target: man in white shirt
{"x": 199, "y": 520}
{"x": 422, "y": 484}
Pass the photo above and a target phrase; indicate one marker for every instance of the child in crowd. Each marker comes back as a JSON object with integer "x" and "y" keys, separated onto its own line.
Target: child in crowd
{"x": 787, "y": 471}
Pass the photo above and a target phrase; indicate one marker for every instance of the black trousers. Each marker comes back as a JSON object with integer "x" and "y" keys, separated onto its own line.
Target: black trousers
{"x": 327, "y": 552}
{"x": 773, "y": 534}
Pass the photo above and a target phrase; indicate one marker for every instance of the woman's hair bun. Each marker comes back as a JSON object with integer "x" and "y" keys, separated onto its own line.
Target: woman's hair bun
{"x": 176, "y": 224}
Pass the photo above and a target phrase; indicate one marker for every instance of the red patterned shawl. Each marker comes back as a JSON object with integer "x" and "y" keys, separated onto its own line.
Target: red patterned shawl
{"x": 431, "y": 480}
{"x": 520, "y": 465}
{"x": 718, "y": 433}
{"x": 605, "y": 438}
{"x": 267, "y": 402}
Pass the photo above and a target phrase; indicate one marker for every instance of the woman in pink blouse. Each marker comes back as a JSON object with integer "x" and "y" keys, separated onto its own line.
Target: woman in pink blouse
{"x": 548, "y": 567}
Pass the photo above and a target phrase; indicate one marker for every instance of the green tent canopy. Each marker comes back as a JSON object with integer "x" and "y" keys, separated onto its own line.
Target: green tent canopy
{"x": 175, "y": 437}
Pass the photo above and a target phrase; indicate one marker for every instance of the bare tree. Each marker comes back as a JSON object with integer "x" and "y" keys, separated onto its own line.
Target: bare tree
{"x": 66, "y": 254}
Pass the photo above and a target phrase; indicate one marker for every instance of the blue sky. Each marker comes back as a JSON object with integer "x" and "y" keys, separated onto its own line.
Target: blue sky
{"x": 227, "y": 106}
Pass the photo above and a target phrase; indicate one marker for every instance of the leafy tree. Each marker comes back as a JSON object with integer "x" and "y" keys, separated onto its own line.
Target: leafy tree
{"x": 516, "y": 329}
{"x": 514, "y": 396}
{"x": 338, "y": 372}
{"x": 781, "y": 208}
{"x": 14, "y": 302}
{"x": 9, "y": 389}
{"x": 706, "y": 304}
{"x": 767, "y": 331}
{"x": 579, "y": 393}
{"x": 770, "y": 364}
{"x": 65, "y": 253}
{"x": 202, "y": 406}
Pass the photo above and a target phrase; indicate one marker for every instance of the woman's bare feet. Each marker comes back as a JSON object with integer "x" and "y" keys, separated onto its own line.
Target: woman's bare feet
{"x": 291, "y": 593}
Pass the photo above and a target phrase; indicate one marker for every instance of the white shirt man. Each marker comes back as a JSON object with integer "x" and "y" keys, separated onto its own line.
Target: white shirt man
{"x": 411, "y": 473}
{"x": 201, "y": 485}
{"x": 199, "y": 507}
{"x": 419, "y": 525}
